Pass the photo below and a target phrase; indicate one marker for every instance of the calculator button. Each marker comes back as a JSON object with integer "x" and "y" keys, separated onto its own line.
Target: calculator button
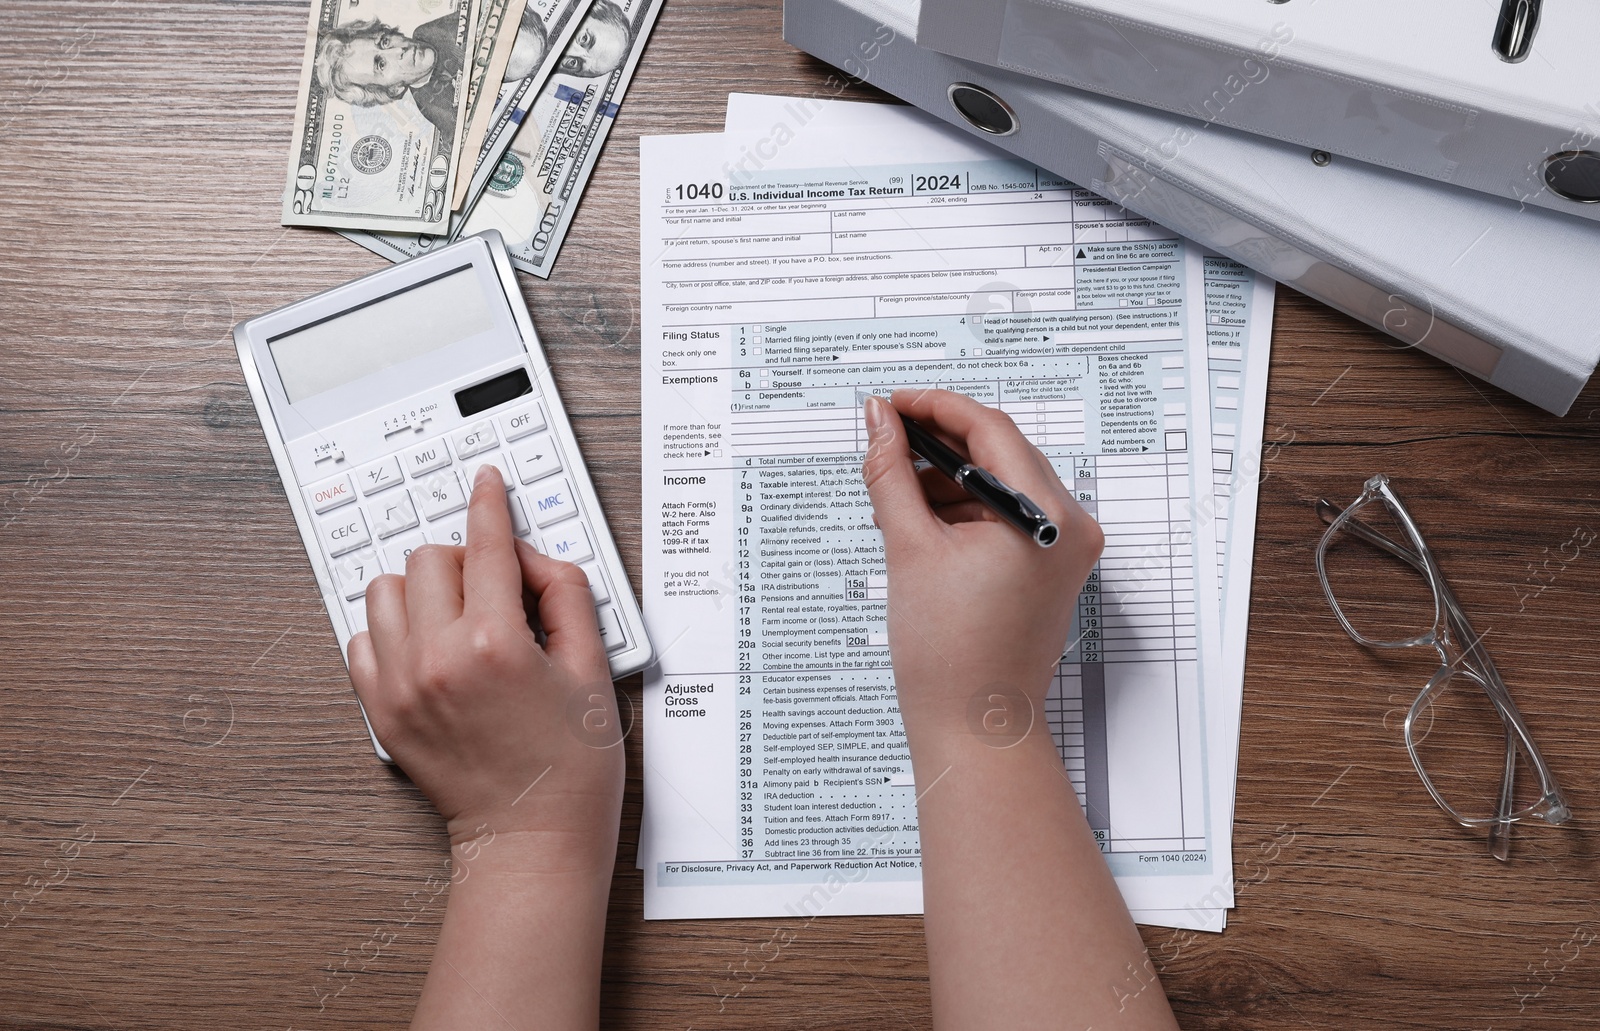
{"x": 569, "y": 543}
{"x": 523, "y": 421}
{"x": 357, "y": 614}
{"x": 330, "y": 494}
{"x": 345, "y": 533}
{"x": 355, "y": 572}
{"x": 519, "y": 518}
{"x": 440, "y": 494}
{"x": 449, "y": 531}
{"x": 398, "y": 550}
{"x": 474, "y": 439}
{"x": 394, "y": 513}
{"x": 552, "y": 502}
{"x": 499, "y": 461}
{"x": 536, "y": 459}
{"x": 380, "y": 475}
{"x": 425, "y": 458}
{"x": 597, "y": 583}
{"x": 610, "y": 628}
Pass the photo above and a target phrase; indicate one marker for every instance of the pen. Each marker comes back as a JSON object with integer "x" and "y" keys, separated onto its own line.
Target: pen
{"x": 1011, "y": 505}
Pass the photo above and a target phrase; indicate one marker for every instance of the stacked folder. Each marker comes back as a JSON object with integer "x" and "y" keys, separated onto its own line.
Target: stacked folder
{"x": 1445, "y": 194}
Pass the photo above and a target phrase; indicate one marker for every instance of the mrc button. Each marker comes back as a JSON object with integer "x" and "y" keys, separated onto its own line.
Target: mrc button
{"x": 552, "y": 501}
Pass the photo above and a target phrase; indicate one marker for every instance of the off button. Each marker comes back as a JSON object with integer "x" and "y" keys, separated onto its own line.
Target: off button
{"x": 523, "y": 421}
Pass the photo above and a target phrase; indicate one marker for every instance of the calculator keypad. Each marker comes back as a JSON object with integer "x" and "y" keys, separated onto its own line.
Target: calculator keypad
{"x": 419, "y": 495}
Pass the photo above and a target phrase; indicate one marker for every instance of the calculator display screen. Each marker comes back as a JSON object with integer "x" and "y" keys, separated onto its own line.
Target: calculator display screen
{"x": 379, "y": 333}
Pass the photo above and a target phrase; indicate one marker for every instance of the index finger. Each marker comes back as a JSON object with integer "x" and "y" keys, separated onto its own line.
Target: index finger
{"x": 491, "y": 575}
{"x": 991, "y": 438}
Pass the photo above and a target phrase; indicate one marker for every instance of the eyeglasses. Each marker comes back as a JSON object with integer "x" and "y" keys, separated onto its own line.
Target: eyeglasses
{"x": 1463, "y": 731}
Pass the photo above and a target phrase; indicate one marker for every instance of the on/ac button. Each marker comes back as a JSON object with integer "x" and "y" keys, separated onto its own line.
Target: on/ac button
{"x": 330, "y": 494}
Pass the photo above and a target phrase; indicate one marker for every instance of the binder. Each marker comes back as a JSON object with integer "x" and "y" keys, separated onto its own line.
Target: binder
{"x": 1501, "y": 291}
{"x": 1498, "y": 96}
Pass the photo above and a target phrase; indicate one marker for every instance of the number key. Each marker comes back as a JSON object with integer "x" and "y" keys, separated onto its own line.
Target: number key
{"x": 398, "y": 550}
{"x": 355, "y": 572}
{"x": 450, "y": 531}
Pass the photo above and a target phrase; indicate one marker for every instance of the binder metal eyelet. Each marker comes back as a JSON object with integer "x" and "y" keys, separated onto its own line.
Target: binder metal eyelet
{"x": 982, "y": 109}
{"x": 1575, "y": 175}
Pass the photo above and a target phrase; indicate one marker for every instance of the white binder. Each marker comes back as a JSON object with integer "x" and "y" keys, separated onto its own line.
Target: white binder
{"x": 1498, "y": 96}
{"x": 1504, "y": 292}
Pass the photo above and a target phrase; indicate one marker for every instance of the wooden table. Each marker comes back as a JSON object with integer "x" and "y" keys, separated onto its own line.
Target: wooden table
{"x": 176, "y": 718}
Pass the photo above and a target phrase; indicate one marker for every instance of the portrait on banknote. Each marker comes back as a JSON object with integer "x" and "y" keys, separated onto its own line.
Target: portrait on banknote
{"x": 601, "y": 44}
{"x": 533, "y": 42}
{"x": 367, "y": 62}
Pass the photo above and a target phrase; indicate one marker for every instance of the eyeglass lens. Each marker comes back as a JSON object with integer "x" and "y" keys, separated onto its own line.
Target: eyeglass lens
{"x": 1458, "y": 740}
{"x": 1384, "y": 598}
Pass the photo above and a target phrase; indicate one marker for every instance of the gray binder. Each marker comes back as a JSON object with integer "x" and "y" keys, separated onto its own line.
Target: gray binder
{"x": 1496, "y": 96}
{"x": 1503, "y": 292}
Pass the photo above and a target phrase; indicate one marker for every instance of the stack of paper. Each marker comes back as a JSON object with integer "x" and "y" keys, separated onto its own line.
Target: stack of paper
{"x": 819, "y": 248}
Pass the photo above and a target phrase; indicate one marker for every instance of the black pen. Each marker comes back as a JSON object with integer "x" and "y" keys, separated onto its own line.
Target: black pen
{"x": 1011, "y": 505}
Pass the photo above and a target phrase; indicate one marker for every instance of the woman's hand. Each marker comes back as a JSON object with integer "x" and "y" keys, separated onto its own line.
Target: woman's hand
{"x": 504, "y": 734}
{"x": 976, "y": 608}
{"x": 516, "y": 741}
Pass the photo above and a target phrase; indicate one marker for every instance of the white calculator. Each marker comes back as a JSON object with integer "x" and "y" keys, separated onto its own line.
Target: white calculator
{"x": 381, "y": 398}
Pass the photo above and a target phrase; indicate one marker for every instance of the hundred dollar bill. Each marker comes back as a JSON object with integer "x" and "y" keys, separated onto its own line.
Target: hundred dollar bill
{"x": 547, "y": 29}
{"x": 377, "y": 132}
{"x": 537, "y": 182}
{"x": 497, "y": 34}
{"x": 534, "y": 191}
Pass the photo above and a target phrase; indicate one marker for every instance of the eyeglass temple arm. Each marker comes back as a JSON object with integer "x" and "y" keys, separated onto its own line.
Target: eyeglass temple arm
{"x": 1500, "y": 833}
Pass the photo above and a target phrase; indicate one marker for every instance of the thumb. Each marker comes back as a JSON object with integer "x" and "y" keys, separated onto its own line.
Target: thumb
{"x": 898, "y": 504}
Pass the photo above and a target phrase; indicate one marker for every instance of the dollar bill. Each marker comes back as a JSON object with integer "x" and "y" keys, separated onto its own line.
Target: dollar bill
{"x": 377, "y": 135}
{"x": 547, "y": 29}
{"x": 537, "y": 183}
{"x": 498, "y": 31}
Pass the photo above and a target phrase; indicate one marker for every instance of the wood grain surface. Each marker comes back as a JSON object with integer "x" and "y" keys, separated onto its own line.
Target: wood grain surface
{"x": 182, "y": 767}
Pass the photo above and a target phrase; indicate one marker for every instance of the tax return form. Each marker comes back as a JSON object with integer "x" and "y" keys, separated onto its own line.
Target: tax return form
{"x": 777, "y": 781}
{"x": 1239, "y": 308}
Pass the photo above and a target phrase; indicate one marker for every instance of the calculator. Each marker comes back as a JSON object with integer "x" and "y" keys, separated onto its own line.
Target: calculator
{"x": 381, "y": 398}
